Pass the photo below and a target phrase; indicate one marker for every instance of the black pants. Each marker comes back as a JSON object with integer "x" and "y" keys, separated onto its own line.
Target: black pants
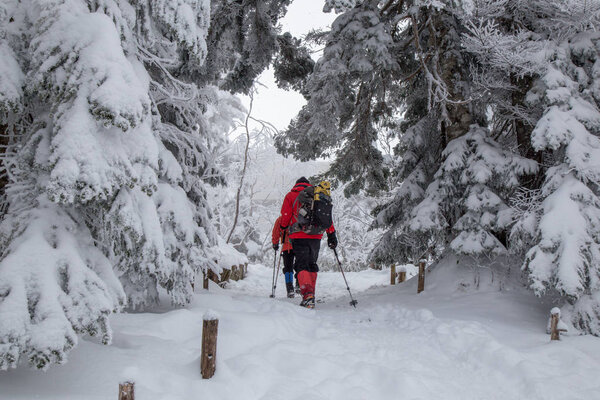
{"x": 307, "y": 253}
{"x": 288, "y": 261}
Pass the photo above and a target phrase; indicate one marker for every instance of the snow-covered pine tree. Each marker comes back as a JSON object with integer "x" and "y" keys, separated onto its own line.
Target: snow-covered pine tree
{"x": 293, "y": 63}
{"x": 82, "y": 98}
{"x": 243, "y": 39}
{"x": 536, "y": 65}
{"x": 416, "y": 67}
{"x": 507, "y": 39}
{"x": 437, "y": 104}
{"x": 191, "y": 121}
{"x": 465, "y": 205}
{"x": 420, "y": 149}
{"x": 111, "y": 128}
{"x": 566, "y": 250}
{"x": 347, "y": 94}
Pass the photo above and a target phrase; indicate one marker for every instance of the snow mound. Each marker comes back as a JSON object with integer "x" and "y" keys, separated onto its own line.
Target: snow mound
{"x": 225, "y": 255}
{"x": 454, "y": 274}
{"x": 210, "y": 315}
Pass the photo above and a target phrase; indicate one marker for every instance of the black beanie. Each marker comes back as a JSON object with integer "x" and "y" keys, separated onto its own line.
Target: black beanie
{"x": 302, "y": 180}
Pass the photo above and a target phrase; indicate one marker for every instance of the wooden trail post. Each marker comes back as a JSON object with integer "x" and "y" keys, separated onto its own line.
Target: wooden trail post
{"x": 126, "y": 391}
{"x": 402, "y": 275}
{"x": 554, "y": 335}
{"x": 393, "y": 274}
{"x": 554, "y": 320}
{"x": 225, "y": 275}
{"x": 421, "y": 286}
{"x": 205, "y": 281}
{"x": 234, "y": 272}
{"x": 208, "y": 359}
{"x": 213, "y": 276}
{"x": 242, "y": 271}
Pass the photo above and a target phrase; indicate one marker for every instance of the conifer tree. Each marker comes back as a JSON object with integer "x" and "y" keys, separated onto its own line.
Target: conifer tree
{"x": 81, "y": 99}
{"x": 112, "y": 120}
{"x": 243, "y": 40}
{"x": 346, "y": 95}
{"x": 384, "y": 60}
{"x": 566, "y": 250}
{"x": 466, "y": 204}
{"x": 537, "y": 64}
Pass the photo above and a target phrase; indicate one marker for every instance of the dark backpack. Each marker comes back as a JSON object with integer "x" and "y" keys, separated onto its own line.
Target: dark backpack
{"x": 314, "y": 209}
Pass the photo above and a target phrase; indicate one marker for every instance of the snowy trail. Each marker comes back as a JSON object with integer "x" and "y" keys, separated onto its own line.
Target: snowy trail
{"x": 394, "y": 345}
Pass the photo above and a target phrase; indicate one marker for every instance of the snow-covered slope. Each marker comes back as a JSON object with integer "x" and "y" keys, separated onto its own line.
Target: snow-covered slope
{"x": 453, "y": 341}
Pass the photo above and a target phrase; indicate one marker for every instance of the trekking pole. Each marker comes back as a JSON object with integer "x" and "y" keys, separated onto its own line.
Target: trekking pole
{"x": 277, "y": 273}
{"x": 273, "y": 282}
{"x": 352, "y": 301}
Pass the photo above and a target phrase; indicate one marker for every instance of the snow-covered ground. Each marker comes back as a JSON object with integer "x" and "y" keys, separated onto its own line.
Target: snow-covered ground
{"x": 449, "y": 342}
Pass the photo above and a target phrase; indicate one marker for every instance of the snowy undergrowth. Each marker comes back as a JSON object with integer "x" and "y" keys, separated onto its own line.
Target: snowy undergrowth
{"x": 453, "y": 339}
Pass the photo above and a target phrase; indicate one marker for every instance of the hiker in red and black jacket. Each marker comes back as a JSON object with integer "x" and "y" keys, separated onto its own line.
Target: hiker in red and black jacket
{"x": 306, "y": 246}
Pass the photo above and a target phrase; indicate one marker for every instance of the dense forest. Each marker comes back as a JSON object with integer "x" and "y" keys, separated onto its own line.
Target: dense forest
{"x": 469, "y": 127}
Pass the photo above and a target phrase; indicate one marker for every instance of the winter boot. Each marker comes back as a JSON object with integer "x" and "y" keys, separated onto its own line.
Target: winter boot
{"x": 290, "y": 289}
{"x": 308, "y": 301}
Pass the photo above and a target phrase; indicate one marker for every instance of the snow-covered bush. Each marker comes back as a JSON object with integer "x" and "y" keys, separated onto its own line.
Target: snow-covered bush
{"x": 54, "y": 284}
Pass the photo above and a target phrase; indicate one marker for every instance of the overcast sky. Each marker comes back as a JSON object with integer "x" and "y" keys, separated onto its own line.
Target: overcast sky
{"x": 273, "y": 104}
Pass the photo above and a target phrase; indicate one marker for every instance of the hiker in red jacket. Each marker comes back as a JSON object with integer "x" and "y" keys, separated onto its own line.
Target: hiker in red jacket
{"x": 306, "y": 246}
{"x": 279, "y": 235}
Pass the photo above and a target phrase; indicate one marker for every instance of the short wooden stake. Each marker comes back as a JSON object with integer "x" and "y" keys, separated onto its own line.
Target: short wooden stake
{"x": 126, "y": 391}
{"x": 245, "y": 269}
{"x": 205, "y": 281}
{"x": 393, "y": 274}
{"x": 402, "y": 275}
{"x": 554, "y": 320}
{"x": 225, "y": 275}
{"x": 242, "y": 271}
{"x": 421, "y": 286}
{"x": 554, "y": 328}
{"x": 234, "y": 272}
{"x": 209, "y": 345}
{"x": 213, "y": 276}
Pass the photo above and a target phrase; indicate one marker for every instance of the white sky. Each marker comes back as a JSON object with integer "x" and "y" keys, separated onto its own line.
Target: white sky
{"x": 271, "y": 103}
